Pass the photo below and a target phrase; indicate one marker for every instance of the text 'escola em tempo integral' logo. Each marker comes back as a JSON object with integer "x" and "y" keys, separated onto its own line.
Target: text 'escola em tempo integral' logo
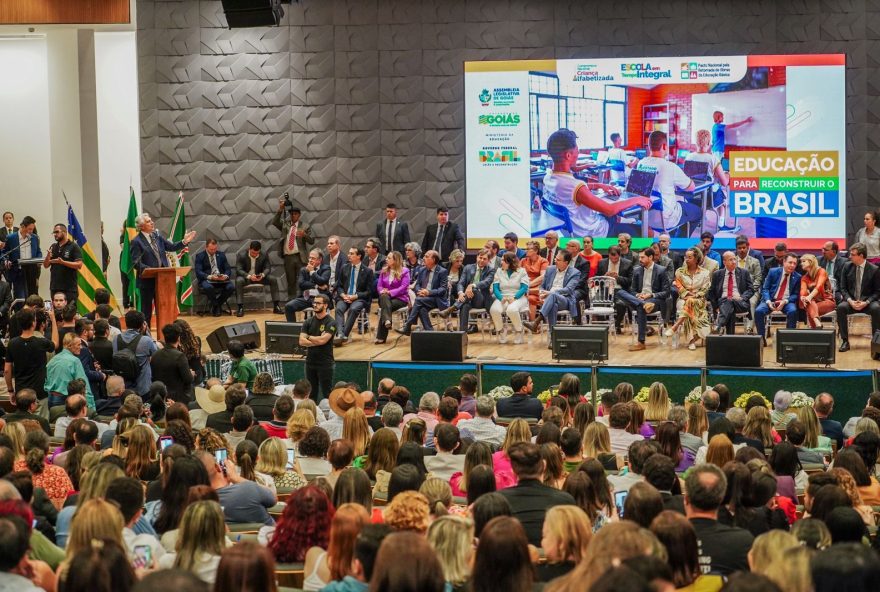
{"x": 785, "y": 184}
{"x": 500, "y": 120}
{"x": 639, "y": 70}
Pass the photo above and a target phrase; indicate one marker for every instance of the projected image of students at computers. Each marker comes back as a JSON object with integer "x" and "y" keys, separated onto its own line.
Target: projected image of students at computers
{"x": 669, "y": 214}
{"x": 704, "y": 165}
{"x": 590, "y": 215}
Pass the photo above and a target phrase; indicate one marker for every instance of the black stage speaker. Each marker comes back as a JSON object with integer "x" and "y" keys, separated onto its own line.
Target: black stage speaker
{"x": 283, "y": 338}
{"x": 247, "y": 333}
{"x": 580, "y": 343}
{"x": 252, "y": 13}
{"x": 805, "y": 346}
{"x": 739, "y": 351}
{"x": 438, "y": 346}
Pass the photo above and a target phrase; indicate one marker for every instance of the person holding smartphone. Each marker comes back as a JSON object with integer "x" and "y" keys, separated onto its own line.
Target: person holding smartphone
{"x": 242, "y": 501}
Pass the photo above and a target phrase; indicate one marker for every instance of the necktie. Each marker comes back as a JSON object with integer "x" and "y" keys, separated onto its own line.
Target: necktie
{"x": 438, "y": 242}
{"x": 389, "y": 234}
{"x": 781, "y": 291}
{"x": 155, "y": 248}
{"x": 429, "y": 279}
{"x": 477, "y": 275}
{"x": 291, "y": 241}
{"x": 858, "y": 283}
{"x": 351, "y": 280}
{"x": 829, "y": 269}
{"x": 741, "y": 263}
{"x": 730, "y": 285}
{"x": 214, "y": 269}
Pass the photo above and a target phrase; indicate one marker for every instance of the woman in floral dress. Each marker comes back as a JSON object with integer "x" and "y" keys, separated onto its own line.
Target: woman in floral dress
{"x": 692, "y": 282}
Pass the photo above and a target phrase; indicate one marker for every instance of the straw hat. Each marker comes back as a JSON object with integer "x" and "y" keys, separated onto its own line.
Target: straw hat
{"x": 213, "y": 400}
{"x": 343, "y": 399}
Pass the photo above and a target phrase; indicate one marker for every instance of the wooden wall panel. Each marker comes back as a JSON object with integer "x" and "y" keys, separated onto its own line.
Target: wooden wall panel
{"x": 52, "y": 12}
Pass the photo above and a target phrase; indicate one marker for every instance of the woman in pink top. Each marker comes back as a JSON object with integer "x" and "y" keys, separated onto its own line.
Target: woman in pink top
{"x": 517, "y": 431}
{"x": 393, "y": 292}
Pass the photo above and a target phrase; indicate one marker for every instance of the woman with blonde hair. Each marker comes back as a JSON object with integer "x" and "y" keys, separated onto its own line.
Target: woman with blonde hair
{"x": 452, "y": 538}
{"x": 517, "y": 431}
{"x": 333, "y": 564}
{"x": 703, "y": 153}
{"x": 439, "y": 496}
{"x": 846, "y": 482}
{"x": 692, "y": 282}
{"x": 698, "y": 421}
{"x": 816, "y": 294}
{"x": 119, "y": 445}
{"x": 393, "y": 288}
{"x": 792, "y": 571}
{"x": 769, "y": 548}
{"x": 93, "y": 486}
{"x": 210, "y": 440}
{"x": 298, "y": 424}
{"x": 584, "y": 415}
{"x": 16, "y": 434}
{"x": 565, "y": 537}
{"x": 141, "y": 460}
{"x": 95, "y": 519}
{"x": 200, "y": 542}
{"x": 760, "y": 427}
{"x": 658, "y": 402}
{"x": 597, "y": 444}
{"x": 408, "y": 510}
{"x": 535, "y": 267}
{"x": 454, "y": 267}
{"x": 624, "y": 391}
{"x": 637, "y": 423}
{"x": 509, "y": 288}
{"x": 720, "y": 451}
{"x": 415, "y": 430}
{"x": 814, "y": 439}
{"x": 356, "y": 430}
{"x": 272, "y": 461}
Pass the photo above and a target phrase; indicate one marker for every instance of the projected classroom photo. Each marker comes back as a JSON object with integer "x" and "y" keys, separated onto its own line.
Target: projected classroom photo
{"x": 646, "y": 148}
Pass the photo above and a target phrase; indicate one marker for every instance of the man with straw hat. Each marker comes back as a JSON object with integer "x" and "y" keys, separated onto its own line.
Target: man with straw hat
{"x": 341, "y": 400}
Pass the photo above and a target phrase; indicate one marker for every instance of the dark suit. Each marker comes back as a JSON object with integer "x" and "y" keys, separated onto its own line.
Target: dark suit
{"x": 520, "y": 405}
{"x": 23, "y": 278}
{"x": 308, "y": 280}
{"x": 96, "y": 378}
{"x": 870, "y": 292}
{"x": 262, "y": 266}
{"x": 529, "y": 501}
{"x": 727, "y": 308}
{"x": 143, "y": 257}
{"x": 482, "y": 291}
{"x": 833, "y": 430}
{"x": 582, "y": 291}
{"x": 438, "y": 291}
{"x": 102, "y": 350}
{"x": 660, "y": 290}
{"x": 262, "y": 406}
{"x": 341, "y": 261}
{"x": 398, "y": 241}
{"x": 624, "y": 279}
{"x": 562, "y": 299}
{"x": 5, "y": 303}
{"x": 170, "y": 366}
{"x": 450, "y": 239}
{"x": 376, "y": 267}
{"x": 549, "y": 255}
{"x": 362, "y": 288}
{"x": 293, "y": 262}
{"x": 217, "y": 292}
{"x": 768, "y": 293}
{"x": 834, "y": 268}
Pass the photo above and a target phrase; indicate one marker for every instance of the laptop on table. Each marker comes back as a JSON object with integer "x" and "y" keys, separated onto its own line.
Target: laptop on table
{"x": 696, "y": 170}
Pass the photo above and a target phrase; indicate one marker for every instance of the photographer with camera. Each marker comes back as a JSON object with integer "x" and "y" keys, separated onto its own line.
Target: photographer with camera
{"x": 294, "y": 244}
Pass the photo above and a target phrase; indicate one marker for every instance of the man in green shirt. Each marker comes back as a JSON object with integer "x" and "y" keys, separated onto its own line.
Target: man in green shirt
{"x": 243, "y": 370}
{"x": 63, "y": 368}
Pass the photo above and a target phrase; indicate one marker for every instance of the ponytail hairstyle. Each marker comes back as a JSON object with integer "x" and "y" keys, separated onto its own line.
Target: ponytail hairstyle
{"x": 246, "y": 458}
{"x": 439, "y": 495}
{"x": 36, "y": 446}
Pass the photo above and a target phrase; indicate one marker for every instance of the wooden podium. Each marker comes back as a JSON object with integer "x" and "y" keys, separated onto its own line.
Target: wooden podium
{"x": 166, "y": 292}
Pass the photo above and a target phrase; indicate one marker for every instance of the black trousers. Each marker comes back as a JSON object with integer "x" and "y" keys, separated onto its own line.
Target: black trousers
{"x": 387, "y": 305}
{"x": 321, "y": 379}
{"x": 727, "y": 311}
{"x": 148, "y": 295}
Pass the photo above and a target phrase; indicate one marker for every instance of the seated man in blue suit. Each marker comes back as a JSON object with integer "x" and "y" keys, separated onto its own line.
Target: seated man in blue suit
{"x": 648, "y": 292}
{"x": 473, "y": 290}
{"x": 780, "y": 293}
{"x": 23, "y": 244}
{"x": 557, "y": 292}
{"x": 148, "y": 249}
{"x": 511, "y": 245}
{"x": 314, "y": 279}
{"x": 431, "y": 292}
{"x": 353, "y": 293}
{"x": 213, "y": 274}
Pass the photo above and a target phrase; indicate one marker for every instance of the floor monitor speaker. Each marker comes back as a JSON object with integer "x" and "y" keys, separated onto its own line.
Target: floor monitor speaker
{"x": 806, "y": 346}
{"x": 438, "y": 346}
{"x": 283, "y": 338}
{"x": 738, "y": 351}
{"x": 248, "y": 333}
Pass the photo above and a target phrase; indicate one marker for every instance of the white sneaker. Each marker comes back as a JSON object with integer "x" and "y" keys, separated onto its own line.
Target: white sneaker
{"x": 518, "y": 338}
{"x": 502, "y": 336}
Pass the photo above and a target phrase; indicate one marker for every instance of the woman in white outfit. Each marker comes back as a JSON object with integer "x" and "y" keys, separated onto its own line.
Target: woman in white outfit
{"x": 510, "y": 288}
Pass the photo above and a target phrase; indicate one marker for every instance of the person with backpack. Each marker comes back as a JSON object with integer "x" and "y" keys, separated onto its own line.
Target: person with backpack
{"x": 132, "y": 352}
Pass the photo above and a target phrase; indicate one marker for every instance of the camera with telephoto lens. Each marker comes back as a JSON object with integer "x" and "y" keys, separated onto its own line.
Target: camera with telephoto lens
{"x": 288, "y": 205}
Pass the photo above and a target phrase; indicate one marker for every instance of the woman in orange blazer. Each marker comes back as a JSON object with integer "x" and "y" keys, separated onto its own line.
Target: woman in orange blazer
{"x": 817, "y": 299}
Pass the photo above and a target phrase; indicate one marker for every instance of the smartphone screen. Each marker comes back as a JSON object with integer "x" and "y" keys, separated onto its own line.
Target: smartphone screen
{"x": 619, "y": 498}
{"x": 290, "y": 458}
{"x": 220, "y": 454}
{"x": 165, "y": 442}
{"x": 143, "y": 557}
{"x": 47, "y": 304}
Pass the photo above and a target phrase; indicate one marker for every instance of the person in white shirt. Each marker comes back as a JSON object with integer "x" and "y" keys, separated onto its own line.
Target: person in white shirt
{"x": 668, "y": 177}
{"x": 720, "y": 199}
{"x": 616, "y": 152}
{"x": 482, "y": 426}
{"x": 637, "y": 454}
{"x": 619, "y": 418}
{"x": 75, "y": 407}
{"x": 144, "y": 550}
{"x": 510, "y": 288}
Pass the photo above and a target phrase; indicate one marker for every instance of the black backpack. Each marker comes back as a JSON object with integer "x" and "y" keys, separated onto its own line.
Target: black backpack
{"x": 125, "y": 363}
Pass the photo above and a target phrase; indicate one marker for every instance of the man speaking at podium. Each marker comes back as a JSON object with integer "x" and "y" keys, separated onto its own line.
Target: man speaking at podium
{"x": 148, "y": 249}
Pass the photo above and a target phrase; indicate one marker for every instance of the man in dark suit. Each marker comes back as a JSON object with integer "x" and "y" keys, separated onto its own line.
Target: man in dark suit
{"x": 8, "y": 227}
{"x": 353, "y": 294}
{"x": 824, "y": 407}
{"x": 729, "y": 293}
{"x": 582, "y": 265}
{"x": 24, "y": 244}
{"x": 779, "y": 293}
{"x": 374, "y": 260}
{"x": 521, "y": 403}
{"x": 314, "y": 279}
{"x": 557, "y": 292}
{"x": 213, "y": 274}
{"x": 148, "y": 249}
{"x": 779, "y": 252}
{"x": 393, "y": 234}
{"x": 530, "y": 499}
{"x": 431, "y": 292}
{"x": 169, "y": 365}
{"x": 511, "y": 245}
{"x": 860, "y": 289}
{"x": 294, "y": 244}
{"x": 473, "y": 290}
{"x": 444, "y": 236}
{"x": 253, "y": 267}
{"x": 621, "y": 270}
{"x": 551, "y": 238}
{"x": 335, "y": 260}
{"x": 5, "y": 303}
{"x": 648, "y": 292}
{"x": 833, "y": 264}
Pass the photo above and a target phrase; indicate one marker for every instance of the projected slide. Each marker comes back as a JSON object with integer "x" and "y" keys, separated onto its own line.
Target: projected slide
{"x": 732, "y": 145}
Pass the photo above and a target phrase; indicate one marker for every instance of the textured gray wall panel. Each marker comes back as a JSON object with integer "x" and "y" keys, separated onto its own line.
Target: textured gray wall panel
{"x": 354, "y": 103}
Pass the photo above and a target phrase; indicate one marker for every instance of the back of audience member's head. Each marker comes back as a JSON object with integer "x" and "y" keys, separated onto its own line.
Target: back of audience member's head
{"x": 353, "y": 486}
{"x": 340, "y": 454}
{"x": 305, "y": 523}
{"x": 246, "y": 567}
{"x": 642, "y": 504}
{"x": 526, "y": 460}
{"x": 848, "y": 567}
{"x": 448, "y": 409}
{"x": 179, "y": 580}
{"x": 408, "y": 511}
{"x": 405, "y": 477}
{"x": 659, "y": 471}
{"x": 487, "y": 507}
{"x": 315, "y": 443}
{"x": 485, "y": 406}
{"x": 768, "y": 548}
{"x": 826, "y": 499}
{"x": 845, "y": 525}
{"x": 571, "y": 442}
{"x": 421, "y": 572}
{"x": 705, "y": 487}
{"x": 680, "y": 539}
{"x": 411, "y": 453}
{"x": 103, "y": 566}
{"x": 549, "y": 433}
{"x": 619, "y": 417}
{"x": 480, "y": 481}
{"x": 447, "y": 437}
{"x": 850, "y": 460}
{"x": 720, "y": 450}
{"x": 128, "y": 494}
{"x": 392, "y": 415}
{"x": 639, "y": 452}
{"x": 366, "y": 547}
